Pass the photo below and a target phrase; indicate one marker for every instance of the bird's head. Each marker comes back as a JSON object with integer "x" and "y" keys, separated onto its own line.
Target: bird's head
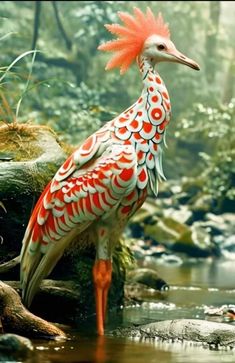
{"x": 142, "y": 35}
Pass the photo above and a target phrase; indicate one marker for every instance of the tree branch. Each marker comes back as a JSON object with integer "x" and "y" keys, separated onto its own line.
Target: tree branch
{"x": 68, "y": 42}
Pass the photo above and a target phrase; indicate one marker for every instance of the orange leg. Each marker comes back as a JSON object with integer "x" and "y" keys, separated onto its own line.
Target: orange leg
{"x": 102, "y": 275}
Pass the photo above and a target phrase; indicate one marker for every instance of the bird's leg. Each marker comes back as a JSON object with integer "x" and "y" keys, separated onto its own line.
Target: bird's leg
{"x": 102, "y": 275}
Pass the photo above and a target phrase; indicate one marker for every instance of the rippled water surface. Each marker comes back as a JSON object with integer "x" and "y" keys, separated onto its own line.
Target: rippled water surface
{"x": 193, "y": 286}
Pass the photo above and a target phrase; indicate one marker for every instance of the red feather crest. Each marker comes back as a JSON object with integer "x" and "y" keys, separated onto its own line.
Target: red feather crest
{"x": 131, "y": 36}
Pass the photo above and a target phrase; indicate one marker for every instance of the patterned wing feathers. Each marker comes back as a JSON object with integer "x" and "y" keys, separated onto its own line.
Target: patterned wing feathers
{"x": 66, "y": 210}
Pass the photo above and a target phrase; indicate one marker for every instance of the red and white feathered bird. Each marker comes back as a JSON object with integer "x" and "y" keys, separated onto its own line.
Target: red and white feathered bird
{"x": 105, "y": 181}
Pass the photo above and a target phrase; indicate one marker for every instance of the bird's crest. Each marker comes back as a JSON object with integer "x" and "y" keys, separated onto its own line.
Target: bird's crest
{"x": 131, "y": 37}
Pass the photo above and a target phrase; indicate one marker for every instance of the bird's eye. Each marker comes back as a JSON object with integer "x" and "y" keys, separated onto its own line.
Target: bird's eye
{"x": 161, "y": 47}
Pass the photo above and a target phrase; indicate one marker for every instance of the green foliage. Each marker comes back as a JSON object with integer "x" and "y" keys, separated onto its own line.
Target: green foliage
{"x": 215, "y": 131}
{"x": 220, "y": 179}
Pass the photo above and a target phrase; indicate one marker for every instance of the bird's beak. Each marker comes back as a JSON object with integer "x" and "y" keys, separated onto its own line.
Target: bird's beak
{"x": 178, "y": 57}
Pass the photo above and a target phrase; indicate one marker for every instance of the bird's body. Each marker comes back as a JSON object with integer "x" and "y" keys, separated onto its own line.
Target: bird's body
{"x": 98, "y": 188}
{"x": 103, "y": 183}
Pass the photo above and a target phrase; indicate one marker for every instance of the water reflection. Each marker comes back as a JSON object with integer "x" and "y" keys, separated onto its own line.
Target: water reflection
{"x": 197, "y": 272}
{"x": 194, "y": 285}
{"x": 115, "y": 350}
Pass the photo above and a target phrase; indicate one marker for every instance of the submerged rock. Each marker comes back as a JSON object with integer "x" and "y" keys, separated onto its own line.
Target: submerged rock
{"x": 206, "y": 333}
{"x": 14, "y": 348}
{"x": 147, "y": 277}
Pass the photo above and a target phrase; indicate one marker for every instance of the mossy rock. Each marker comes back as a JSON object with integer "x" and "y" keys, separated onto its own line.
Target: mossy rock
{"x": 166, "y": 231}
{"x": 29, "y": 157}
{"x": 196, "y": 242}
{"x": 193, "y": 240}
{"x": 148, "y": 277}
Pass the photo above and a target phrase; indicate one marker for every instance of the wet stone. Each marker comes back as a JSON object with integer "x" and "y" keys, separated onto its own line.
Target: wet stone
{"x": 206, "y": 333}
{"x": 14, "y": 348}
{"x": 147, "y": 277}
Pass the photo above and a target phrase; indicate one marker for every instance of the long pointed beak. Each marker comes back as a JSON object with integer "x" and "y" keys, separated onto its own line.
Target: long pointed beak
{"x": 181, "y": 58}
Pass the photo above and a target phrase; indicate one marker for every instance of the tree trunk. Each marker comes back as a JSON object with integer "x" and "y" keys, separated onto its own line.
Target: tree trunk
{"x": 211, "y": 41}
{"x": 229, "y": 84}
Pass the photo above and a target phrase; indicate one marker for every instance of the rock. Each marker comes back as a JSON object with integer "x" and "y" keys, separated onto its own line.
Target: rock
{"x": 170, "y": 260}
{"x": 206, "y": 333}
{"x": 193, "y": 240}
{"x": 202, "y": 205}
{"x": 192, "y": 186}
{"x": 165, "y": 190}
{"x": 144, "y": 215}
{"x": 229, "y": 244}
{"x": 196, "y": 242}
{"x": 137, "y": 292}
{"x": 223, "y": 223}
{"x": 36, "y": 157}
{"x": 14, "y": 348}
{"x": 229, "y": 219}
{"x": 224, "y": 313}
{"x": 138, "y": 252}
{"x": 166, "y": 231}
{"x": 147, "y": 277}
{"x": 176, "y": 189}
{"x": 181, "y": 215}
{"x": 157, "y": 251}
{"x": 148, "y": 209}
{"x": 183, "y": 198}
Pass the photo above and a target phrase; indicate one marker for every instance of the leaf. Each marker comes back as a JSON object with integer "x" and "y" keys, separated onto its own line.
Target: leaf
{"x": 26, "y": 86}
{"x": 17, "y": 60}
{"x": 7, "y": 35}
{"x": 3, "y": 207}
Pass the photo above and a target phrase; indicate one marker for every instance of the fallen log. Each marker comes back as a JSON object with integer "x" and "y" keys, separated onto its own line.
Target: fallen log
{"x": 15, "y": 318}
{"x": 9, "y": 265}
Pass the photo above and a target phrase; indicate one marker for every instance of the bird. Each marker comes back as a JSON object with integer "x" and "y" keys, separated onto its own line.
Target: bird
{"x": 107, "y": 178}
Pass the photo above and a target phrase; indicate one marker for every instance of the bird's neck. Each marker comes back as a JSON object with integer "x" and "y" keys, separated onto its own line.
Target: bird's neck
{"x": 152, "y": 82}
{"x": 143, "y": 125}
{"x": 145, "y": 121}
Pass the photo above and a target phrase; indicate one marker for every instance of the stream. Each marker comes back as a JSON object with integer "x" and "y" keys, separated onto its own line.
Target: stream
{"x": 194, "y": 285}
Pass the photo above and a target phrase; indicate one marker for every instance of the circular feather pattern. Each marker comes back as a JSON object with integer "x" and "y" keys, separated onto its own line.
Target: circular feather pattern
{"x": 147, "y": 119}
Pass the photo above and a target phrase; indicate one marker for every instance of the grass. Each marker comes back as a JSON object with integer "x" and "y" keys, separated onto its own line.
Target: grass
{"x": 19, "y": 141}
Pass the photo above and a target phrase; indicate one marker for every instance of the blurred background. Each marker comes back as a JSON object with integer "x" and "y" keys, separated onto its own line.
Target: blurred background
{"x": 188, "y": 232}
{"x": 66, "y": 87}
{"x": 69, "y": 89}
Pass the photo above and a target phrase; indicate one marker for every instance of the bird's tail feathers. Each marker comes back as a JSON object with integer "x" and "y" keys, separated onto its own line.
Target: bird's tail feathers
{"x": 38, "y": 265}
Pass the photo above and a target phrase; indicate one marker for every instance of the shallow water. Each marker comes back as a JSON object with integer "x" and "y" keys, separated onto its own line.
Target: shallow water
{"x": 194, "y": 285}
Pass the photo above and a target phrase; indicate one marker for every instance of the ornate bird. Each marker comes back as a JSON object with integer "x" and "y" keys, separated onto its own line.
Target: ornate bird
{"x": 105, "y": 181}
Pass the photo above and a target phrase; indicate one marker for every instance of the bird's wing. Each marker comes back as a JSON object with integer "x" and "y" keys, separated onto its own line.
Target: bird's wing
{"x": 70, "y": 203}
